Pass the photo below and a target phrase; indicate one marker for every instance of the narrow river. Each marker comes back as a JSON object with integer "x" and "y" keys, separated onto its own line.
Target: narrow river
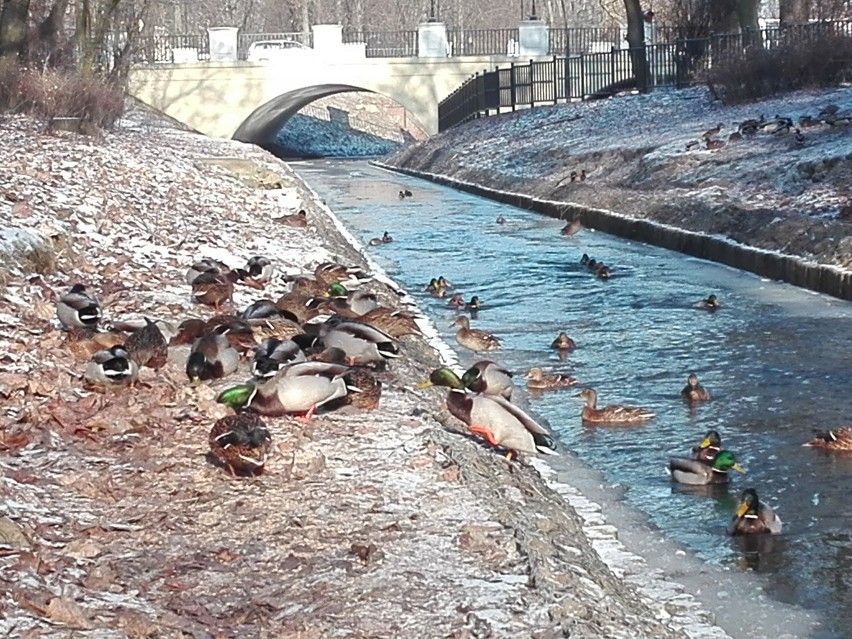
{"x": 777, "y": 360}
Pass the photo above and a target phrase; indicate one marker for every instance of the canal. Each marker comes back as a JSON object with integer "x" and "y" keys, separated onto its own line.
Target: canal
{"x": 775, "y": 358}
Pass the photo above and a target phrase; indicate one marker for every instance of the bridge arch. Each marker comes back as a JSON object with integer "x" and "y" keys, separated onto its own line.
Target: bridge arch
{"x": 262, "y": 124}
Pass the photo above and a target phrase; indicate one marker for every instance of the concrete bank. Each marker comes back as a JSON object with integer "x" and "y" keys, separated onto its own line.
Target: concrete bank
{"x": 822, "y": 278}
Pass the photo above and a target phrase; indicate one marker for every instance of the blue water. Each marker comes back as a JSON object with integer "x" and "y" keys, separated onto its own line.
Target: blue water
{"x": 775, "y": 358}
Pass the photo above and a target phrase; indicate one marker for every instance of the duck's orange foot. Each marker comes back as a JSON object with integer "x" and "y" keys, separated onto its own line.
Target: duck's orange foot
{"x": 307, "y": 416}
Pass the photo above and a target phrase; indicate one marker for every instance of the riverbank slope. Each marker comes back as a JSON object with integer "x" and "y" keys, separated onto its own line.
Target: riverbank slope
{"x": 391, "y": 523}
{"x": 644, "y": 158}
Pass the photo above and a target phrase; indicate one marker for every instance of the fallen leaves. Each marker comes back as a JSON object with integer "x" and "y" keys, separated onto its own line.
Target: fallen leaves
{"x": 12, "y": 536}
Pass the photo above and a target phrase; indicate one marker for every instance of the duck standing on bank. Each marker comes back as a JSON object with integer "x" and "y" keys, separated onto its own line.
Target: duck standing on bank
{"x": 497, "y": 420}
{"x": 241, "y": 443}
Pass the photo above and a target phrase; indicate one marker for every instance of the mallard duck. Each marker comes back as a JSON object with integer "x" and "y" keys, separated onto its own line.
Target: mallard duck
{"x": 754, "y": 516}
{"x": 474, "y": 304}
{"x": 537, "y": 378}
{"x": 714, "y": 131}
{"x": 307, "y": 286}
{"x": 435, "y": 289}
{"x": 297, "y": 304}
{"x": 296, "y": 220}
{"x": 261, "y": 309}
{"x": 611, "y": 414}
{"x": 354, "y": 303}
{"x": 444, "y": 282}
{"x": 713, "y": 144}
{"x": 585, "y": 259}
{"x": 571, "y": 228}
{"x": 211, "y": 357}
{"x": 296, "y": 388}
{"x": 563, "y": 343}
{"x": 694, "y": 391}
{"x": 709, "y": 447}
{"x": 365, "y": 390}
{"x": 692, "y": 471}
{"x": 111, "y": 366}
{"x": 328, "y": 273}
{"x": 387, "y": 238}
{"x": 838, "y": 439}
{"x": 78, "y": 309}
{"x": 407, "y": 193}
{"x": 501, "y": 219}
{"x": 148, "y": 346}
{"x": 188, "y": 331}
{"x": 393, "y": 322}
{"x": 602, "y": 272}
{"x": 272, "y": 354}
{"x": 205, "y": 265}
{"x": 214, "y": 289}
{"x": 241, "y": 443}
{"x": 363, "y": 344}
{"x": 474, "y": 339}
{"x": 457, "y": 301}
{"x": 710, "y": 304}
{"x": 500, "y": 422}
{"x": 260, "y": 269}
{"x": 375, "y": 241}
{"x": 239, "y": 332}
{"x": 489, "y": 378}
{"x": 274, "y": 327}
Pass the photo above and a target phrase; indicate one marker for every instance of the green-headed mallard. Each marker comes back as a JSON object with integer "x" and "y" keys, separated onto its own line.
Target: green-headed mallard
{"x": 563, "y": 343}
{"x": 211, "y": 357}
{"x": 111, "y": 366}
{"x": 147, "y": 346}
{"x": 489, "y": 378}
{"x": 537, "y": 378}
{"x": 475, "y": 304}
{"x": 259, "y": 269}
{"x": 387, "y": 238}
{"x": 474, "y": 339}
{"x": 78, "y": 309}
{"x": 435, "y": 289}
{"x": 611, "y": 414}
{"x": 754, "y": 516}
{"x": 571, "y": 228}
{"x": 712, "y": 303}
{"x": 363, "y": 344}
{"x": 708, "y": 448}
{"x": 694, "y": 391}
{"x": 351, "y": 303}
{"x": 838, "y": 439}
{"x": 500, "y": 422}
{"x": 272, "y": 354}
{"x": 241, "y": 443}
{"x": 691, "y": 471}
{"x": 296, "y": 388}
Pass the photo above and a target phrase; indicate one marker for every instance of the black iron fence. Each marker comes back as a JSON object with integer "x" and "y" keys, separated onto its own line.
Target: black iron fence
{"x": 385, "y": 44}
{"x": 582, "y": 76}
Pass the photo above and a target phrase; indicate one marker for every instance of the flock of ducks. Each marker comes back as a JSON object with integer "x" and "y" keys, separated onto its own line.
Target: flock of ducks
{"x": 830, "y": 115}
{"x": 324, "y": 343}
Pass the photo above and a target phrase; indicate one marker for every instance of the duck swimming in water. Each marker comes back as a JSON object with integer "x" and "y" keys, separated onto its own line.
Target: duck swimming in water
{"x": 615, "y": 414}
{"x": 694, "y": 391}
{"x": 754, "y": 517}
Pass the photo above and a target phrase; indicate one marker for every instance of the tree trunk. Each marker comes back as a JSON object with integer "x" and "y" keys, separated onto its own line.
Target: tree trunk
{"x": 747, "y": 13}
{"x": 13, "y": 27}
{"x": 48, "y": 33}
{"x": 794, "y": 12}
{"x": 636, "y": 42}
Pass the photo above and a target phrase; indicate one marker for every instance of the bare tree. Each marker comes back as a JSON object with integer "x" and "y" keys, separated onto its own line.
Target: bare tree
{"x": 14, "y": 28}
{"x": 794, "y": 11}
{"x": 636, "y": 42}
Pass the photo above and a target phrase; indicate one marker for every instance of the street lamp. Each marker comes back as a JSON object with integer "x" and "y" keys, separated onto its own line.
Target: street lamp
{"x": 533, "y": 15}
{"x": 433, "y": 16}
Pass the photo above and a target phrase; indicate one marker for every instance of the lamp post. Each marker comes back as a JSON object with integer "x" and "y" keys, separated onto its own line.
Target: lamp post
{"x": 533, "y": 15}
{"x": 433, "y": 17}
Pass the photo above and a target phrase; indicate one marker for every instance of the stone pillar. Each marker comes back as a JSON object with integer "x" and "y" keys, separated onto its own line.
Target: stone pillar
{"x": 432, "y": 40}
{"x": 533, "y": 38}
{"x": 327, "y": 37}
{"x": 223, "y": 44}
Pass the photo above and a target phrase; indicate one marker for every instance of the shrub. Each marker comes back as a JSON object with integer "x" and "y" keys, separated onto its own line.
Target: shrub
{"x": 52, "y": 93}
{"x": 797, "y": 64}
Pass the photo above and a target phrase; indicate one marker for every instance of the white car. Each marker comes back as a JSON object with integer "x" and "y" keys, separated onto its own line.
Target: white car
{"x": 275, "y": 49}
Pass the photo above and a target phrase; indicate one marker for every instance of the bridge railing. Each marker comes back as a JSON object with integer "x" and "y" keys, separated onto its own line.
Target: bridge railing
{"x": 245, "y": 40}
{"x": 384, "y": 44}
{"x": 678, "y": 64}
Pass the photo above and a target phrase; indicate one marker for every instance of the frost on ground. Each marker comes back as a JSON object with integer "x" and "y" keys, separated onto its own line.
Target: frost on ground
{"x": 767, "y": 191}
{"x": 385, "y": 524}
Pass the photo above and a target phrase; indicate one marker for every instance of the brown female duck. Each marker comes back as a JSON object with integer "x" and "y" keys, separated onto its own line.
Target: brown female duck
{"x": 563, "y": 343}
{"x": 694, "y": 391}
{"x": 537, "y": 378}
{"x": 839, "y": 439}
{"x": 614, "y": 414}
{"x": 241, "y": 443}
{"x": 474, "y": 339}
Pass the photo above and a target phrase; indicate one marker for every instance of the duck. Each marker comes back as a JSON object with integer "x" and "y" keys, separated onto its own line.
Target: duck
{"x": 147, "y": 346}
{"x": 407, "y": 193}
{"x": 205, "y": 265}
{"x": 474, "y": 304}
{"x": 211, "y": 357}
{"x": 708, "y": 448}
{"x": 387, "y": 238}
{"x": 735, "y": 136}
{"x": 501, "y": 219}
{"x": 112, "y": 366}
{"x": 363, "y": 344}
{"x": 498, "y": 421}
{"x": 778, "y": 125}
{"x": 364, "y": 389}
{"x": 695, "y": 472}
{"x": 712, "y": 303}
{"x": 692, "y": 145}
{"x": 537, "y": 378}
{"x": 572, "y": 228}
{"x": 274, "y": 327}
{"x": 694, "y": 391}
{"x": 272, "y": 354}
{"x": 585, "y": 259}
{"x": 78, "y": 309}
{"x": 750, "y": 126}
{"x": 401, "y": 195}
{"x": 489, "y": 378}
{"x": 296, "y": 220}
{"x": 827, "y": 110}
{"x": 375, "y": 241}
{"x": 602, "y": 272}
{"x": 355, "y": 303}
{"x": 297, "y": 305}
{"x": 435, "y": 289}
{"x": 328, "y": 273}
{"x": 798, "y": 138}
{"x": 395, "y": 323}
{"x": 808, "y": 121}
{"x": 456, "y": 300}
{"x": 711, "y": 144}
{"x": 563, "y": 342}
{"x": 615, "y": 414}
{"x": 474, "y": 339}
{"x": 239, "y": 332}
{"x": 241, "y": 443}
{"x": 444, "y": 282}
{"x": 260, "y": 269}
{"x": 261, "y": 309}
{"x": 838, "y": 439}
{"x": 712, "y": 132}
{"x": 301, "y": 387}
{"x": 214, "y": 289}
{"x": 754, "y": 517}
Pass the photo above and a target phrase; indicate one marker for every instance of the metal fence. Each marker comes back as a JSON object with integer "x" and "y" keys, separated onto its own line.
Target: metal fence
{"x": 385, "y": 44}
{"x": 171, "y": 49}
{"x": 589, "y": 75}
{"x": 245, "y": 40}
